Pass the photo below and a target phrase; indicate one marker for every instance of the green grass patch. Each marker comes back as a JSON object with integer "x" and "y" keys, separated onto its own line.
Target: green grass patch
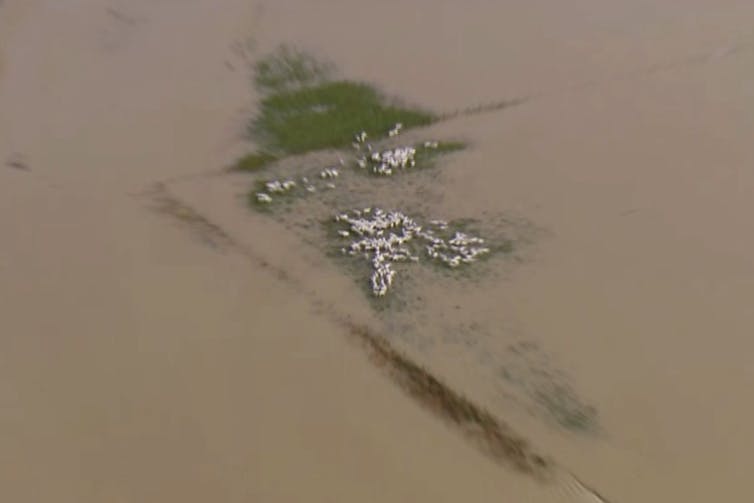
{"x": 303, "y": 109}
{"x": 327, "y": 116}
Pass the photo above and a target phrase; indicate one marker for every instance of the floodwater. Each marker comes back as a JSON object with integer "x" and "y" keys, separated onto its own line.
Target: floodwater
{"x": 141, "y": 361}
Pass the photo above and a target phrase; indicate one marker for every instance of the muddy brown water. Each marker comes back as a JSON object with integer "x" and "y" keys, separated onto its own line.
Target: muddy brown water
{"x": 140, "y": 361}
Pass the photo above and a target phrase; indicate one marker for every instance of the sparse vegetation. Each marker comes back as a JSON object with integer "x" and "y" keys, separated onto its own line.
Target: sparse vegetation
{"x": 565, "y": 408}
{"x": 255, "y": 161}
{"x": 287, "y": 68}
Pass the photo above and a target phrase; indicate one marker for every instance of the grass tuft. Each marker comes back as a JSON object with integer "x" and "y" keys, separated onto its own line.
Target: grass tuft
{"x": 288, "y": 68}
{"x": 256, "y": 161}
{"x": 426, "y": 156}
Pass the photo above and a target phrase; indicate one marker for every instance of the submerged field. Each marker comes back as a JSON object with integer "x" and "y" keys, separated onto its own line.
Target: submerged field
{"x": 610, "y": 331}
{"x": 358, "y": 176}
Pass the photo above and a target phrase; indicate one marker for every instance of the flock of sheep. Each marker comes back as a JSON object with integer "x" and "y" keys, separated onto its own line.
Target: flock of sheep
{"x": 384, "y": 237}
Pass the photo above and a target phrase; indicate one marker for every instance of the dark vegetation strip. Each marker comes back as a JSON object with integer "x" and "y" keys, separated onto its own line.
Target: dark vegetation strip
{"x": 496, "y": 438}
